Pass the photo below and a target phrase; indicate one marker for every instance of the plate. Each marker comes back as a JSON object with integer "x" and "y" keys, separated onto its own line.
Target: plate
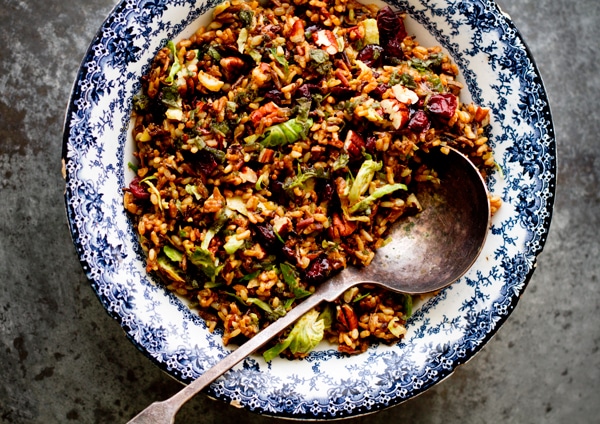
{"x": 446, "y": 330}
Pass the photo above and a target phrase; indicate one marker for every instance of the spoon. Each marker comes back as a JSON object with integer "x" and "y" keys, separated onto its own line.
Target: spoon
{"x": 427, "y": 252}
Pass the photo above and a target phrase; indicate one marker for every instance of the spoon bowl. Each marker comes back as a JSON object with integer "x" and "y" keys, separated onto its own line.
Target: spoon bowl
{"x": 426, "y": 253}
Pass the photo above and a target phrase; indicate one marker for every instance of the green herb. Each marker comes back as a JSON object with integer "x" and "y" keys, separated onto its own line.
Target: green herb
{"x": 140, "y": 102}
{"x": 408, "y": 306}
{"x": 219, "y": 155}
{"x": 408, "y": 81}
{"x": 290, "y": 276}
{"x": 213, "y": 53}
{"x": 221, "y": 128}
{"x": 320, "y": 62}
{"x": 421, "y": 65}
{"x": 436, "y": 83}
{"x": 280, "y": 59}
{"x": 170, "y": 96}
{"x": 351, "y": 104}
{"x": 246, "y": 17}
{"x": 395, "y": 78}
{"x": 302, "y": 177}
{"x": 249, "y": 277}
{"x": 132, "y": 166}
{"x": 361, "y": 297}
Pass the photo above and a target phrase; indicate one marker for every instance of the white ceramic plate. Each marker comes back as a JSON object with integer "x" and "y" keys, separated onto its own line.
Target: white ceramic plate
{"x": 444, "y": 332}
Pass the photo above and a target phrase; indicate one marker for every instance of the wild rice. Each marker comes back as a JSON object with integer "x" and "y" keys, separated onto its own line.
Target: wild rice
{"x": 277, "y": 145}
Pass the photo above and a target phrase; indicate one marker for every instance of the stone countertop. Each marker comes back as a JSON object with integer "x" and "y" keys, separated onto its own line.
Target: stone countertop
{"x": 64, "y": 360}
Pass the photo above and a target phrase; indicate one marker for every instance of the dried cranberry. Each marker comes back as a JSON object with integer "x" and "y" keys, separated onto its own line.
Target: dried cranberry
{"x": 370, "y": 144}
{"x": 377, "y": 93}
{"x": 139, "y": 192}
{"x": 206, "y": 163}
{"x": 275, "y": 96}
{"x": 391, "y": 32}
{"x": 371, "y": 55}
{"x": 289, "y": 253}
{"x": 418, "y": 122}
{"x": 318, "y": 270}
{"x": 442, "y": 105}
{"x": 268, "y": 237}
{"x": 278, "y": 192}
{"x": 342, "y": 93}
{"x": 306, "y": 90}
{"x": 326, "y": 192}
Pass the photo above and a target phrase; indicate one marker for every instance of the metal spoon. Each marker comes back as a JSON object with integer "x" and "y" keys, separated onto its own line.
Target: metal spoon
{"x": 428, "y": 252}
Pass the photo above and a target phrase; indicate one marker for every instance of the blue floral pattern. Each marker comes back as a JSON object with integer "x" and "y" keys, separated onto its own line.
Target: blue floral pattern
{"x": 445, "y": 330}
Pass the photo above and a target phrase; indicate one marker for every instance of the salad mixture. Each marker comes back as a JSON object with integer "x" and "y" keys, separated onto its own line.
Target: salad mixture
{"x": 276, "y": 146}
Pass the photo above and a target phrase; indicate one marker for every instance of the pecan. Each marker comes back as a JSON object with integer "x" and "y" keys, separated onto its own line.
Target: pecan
{"x": 341, "y": 227}
{"x": 326, "y": 39}
{"x": 232, "y": 67}
{"x": 354, "y": 144}
{"x": 297, "y": 33}
{"x": 347, "y": 317}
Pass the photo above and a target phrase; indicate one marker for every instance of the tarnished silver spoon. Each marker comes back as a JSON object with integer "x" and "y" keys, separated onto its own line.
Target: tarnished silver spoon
{"x": 427, "y": 252}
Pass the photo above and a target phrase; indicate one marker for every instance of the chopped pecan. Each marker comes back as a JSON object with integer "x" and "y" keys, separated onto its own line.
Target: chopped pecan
{"x": 347, "y": 317}
{"x": 297, "y": 33}
{"x": 354, "y": 144}
{"x": 341, "y": 227}
{"x": 326, "y": 39}
{"x": 232, "y": 67}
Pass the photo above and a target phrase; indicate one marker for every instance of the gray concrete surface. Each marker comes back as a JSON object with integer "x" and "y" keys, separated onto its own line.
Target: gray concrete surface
{"x": 62, "y": 359}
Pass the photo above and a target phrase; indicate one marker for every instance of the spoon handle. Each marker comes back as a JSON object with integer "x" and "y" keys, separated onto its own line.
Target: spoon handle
{"x": 164, "y": 411}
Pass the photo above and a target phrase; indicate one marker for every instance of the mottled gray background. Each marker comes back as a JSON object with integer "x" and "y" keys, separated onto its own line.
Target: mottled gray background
{"x": 62, "y": 359}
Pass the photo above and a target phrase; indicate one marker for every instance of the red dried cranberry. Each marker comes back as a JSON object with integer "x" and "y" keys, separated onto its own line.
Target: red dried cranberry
{"x": 289, "y": 253}
{"x": 326, "y": 191}
{"x": 342, "y": 93}
{"x": 306, "y": 90}
{"x": 268, "y": 237}
{"x": 419, "y": 122}
{"x": 139, "y": 192}
{"x": 275, "y": 96}
{"x": 318, "y": 271}
{"x": 391, "y": 33}
{"x": 377, "y": 93}
{"x": 371, "y": 55}
{"x": 206, "y": 162}
{"x": 442, "y": 105}
{"x": 371, "y": 144}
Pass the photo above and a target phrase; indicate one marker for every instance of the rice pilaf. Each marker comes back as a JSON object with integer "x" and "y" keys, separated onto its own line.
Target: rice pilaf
{"x": 275, "y": 147}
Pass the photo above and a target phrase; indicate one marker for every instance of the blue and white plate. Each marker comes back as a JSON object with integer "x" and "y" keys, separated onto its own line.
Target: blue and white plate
{"x": 445, "y": 331}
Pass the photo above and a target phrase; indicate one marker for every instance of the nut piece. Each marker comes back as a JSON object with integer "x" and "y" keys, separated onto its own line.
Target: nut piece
{"x": 354, "y": 144}
{"x": 297, "y": 33}
{"x": 232, "y": 67}
{"x": 326, "y": 40}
